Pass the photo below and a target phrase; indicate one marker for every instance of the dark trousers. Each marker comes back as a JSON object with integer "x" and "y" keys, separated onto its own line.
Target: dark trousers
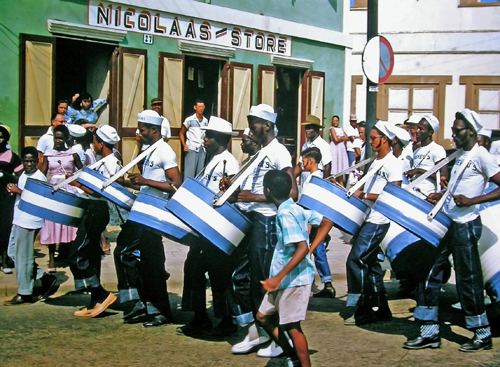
{"x": 140, "y": 267}
{"x": 6, "y": 214}
{"x": 364, "y": 273}
{"x": 85, "y": 251}
{"x": 204, "y": 257}
{"x": 461, "y": 241}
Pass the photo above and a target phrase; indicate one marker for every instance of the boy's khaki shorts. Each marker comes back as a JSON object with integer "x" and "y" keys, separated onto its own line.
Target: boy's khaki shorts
{"x": 289, "y": 303}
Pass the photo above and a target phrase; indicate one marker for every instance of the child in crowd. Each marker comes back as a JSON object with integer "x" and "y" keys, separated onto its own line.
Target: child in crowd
{"x": 310, "y": 160}
{"x": 292, "y": 271}
{"x": 24, "y": 230}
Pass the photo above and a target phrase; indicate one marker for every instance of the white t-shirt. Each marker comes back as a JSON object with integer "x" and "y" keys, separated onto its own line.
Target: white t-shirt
{"x": 155, "y": 165}
{"x": 324, "y": 148}
{"x": 165, "y": 128}
{"x": 46, "y": 141}
{"x": 425, "y": 158}
{"x": 277, "y": 157}
{"x": 245, "y": 185}
{"x": 350, "y": 131}
{"x": 21, "y": 218}
{"x": 495, "y": 150}
{"x": 213, "y": 171}
{"x": 390, "y": 172}
{"x": 78, "y": 149}
{"x": 194, "y": 135}
{"x": 480, "y": 167}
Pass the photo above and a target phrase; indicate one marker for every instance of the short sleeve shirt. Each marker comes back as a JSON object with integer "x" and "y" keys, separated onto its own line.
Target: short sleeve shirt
{"x": 155, "y": 165}
{"x": 425, "y": 158}
{"x": 214, "y": 170}
{"x": 276, "y": 157}
{"x": 480, "y": 166}
{"x": 324, "y": 148}
{"x": 21, "y": 218}
{"x": 391, "y": 171}
{"x": 195, "y": 134}
{"x": 46, "y": 141}
{"x": 291, "y": 228}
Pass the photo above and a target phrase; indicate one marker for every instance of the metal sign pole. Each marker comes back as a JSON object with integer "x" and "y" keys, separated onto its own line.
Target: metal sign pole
{"x": 371, "y": 88}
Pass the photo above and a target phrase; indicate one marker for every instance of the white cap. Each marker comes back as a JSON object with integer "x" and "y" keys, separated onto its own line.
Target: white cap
{"x": 413, "y": 119}
{"x": 472, "y": 118}
{"x": 433, "y": 121}
{"x": 403, "y": 135}
{"x": 219, "y": 125}
{"x": 165, "y": 128}
{"x": 149, "y": 117}
{"x": 485, "y": 132}
{"x": 246, "y": 131}
{"x": 264, "y": 112}
{"x": 76, "y": 131}
{"x": 382, "y": 126}
{"x": 108, "y": 134}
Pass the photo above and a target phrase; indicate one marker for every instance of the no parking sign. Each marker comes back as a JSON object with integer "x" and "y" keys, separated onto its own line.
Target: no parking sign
{"x": 378, "y": 60}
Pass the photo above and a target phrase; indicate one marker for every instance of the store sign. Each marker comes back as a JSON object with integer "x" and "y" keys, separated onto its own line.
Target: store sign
{"x": 128, "y": 18}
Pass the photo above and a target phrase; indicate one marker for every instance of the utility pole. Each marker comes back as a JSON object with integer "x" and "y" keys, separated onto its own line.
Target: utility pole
{"x": 371, "y": 88}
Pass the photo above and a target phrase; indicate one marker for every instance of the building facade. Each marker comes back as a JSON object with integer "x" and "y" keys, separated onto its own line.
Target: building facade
{"x": 446, "y": 57}
{"x": 231, "y": 54}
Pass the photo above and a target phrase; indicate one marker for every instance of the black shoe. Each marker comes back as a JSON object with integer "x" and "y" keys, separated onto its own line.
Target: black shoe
{"x": 49, "y": 285}
{"x": 476, "y": 344}
{"x": 20, "y": 300}
{"x": 137, "y": 319}
{"x": 196, "y": 327}
{"x": 157, "y": 320}
{"x": 327, "y": 292}
{"x": 423, "y": 342}
{"x": 383, "y": 314}
{"x": 137, "y": 309}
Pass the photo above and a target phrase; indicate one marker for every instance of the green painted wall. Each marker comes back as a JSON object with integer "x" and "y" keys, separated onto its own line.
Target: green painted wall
{"x": 30, "y": 17}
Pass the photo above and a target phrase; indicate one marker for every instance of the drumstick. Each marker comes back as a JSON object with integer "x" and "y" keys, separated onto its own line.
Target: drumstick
{"x": 442, "y": 163}
{"x": 352, "y": 168}
{"x": 224, "y": 168}
{"x": 60, "y": 164}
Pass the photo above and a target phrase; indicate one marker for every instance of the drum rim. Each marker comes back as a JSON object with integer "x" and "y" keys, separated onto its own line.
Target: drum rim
{"x": 360, "y": 204}
{"x": 100, "y": 176}
{"x": 47, "y": 185}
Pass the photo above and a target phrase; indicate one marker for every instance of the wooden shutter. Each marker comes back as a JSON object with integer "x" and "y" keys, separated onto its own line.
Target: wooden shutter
{"x": 131, "y": 87}
{"x": 312, "y": 90}
{"x": 36, "y": 87}
{"x": 267, "y": 88}
{"x": 240, "y": 94}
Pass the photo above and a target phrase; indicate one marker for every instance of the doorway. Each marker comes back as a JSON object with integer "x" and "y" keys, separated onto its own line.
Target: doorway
{"x": 201, "y": 81}
{"x": 82, "y": 67}
{"x": 287, "y": 106}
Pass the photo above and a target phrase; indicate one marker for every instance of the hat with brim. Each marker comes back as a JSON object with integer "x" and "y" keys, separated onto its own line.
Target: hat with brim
{"x": 108, "y": 134}
{"x": 76, "y": 131}
{"x": 400, "y": 133}
{"x": 382, "y": 126}
{"x": 485, "y": 132}
{"x": 472, "y": 118}
{"x": 263, "y": 111}
{"x": 433, "y": 122}
{"x": 149, "y": 117}
{"x": 312, "y": 120}
{"x": 156, "y": 101}
{"x": 413, "y": 119}
{"x": 219, "y": 125}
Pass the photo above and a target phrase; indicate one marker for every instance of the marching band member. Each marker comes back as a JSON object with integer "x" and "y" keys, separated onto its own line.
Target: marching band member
{"x": 203, "y": 256}
{"x": 145, "y": 277}
{"x": 426, "y": 155}
{"x": 364, "y": 273}
{"x": 468, "y": 178}
{"x": 262, "y": 237}
{"x": 484, "y": 138}
{"x": 85, "y": 251}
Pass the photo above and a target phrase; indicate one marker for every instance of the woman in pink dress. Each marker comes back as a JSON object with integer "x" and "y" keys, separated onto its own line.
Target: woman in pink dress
{"x": 338, "y": 148}
{"x": 58, "y": 164}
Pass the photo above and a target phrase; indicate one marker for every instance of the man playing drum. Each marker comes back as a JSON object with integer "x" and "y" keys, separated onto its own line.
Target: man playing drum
{"x": 204, "y": 256}
{"x": 262, "y": 237}
{"x": 364, "y": 273}
{"x": 468, "y": 178}
{"x": 146, "y": 278}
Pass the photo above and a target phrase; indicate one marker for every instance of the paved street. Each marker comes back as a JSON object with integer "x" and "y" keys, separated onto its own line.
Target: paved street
{"x": 46, "y": 333}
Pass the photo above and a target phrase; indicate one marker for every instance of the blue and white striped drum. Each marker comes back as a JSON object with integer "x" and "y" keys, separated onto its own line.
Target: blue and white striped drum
{"x": 224, "y": 226}
{"x": 489, "y": 246}
{"x": 59, "y": 206}
{"x": 115, "y": 193}
{"x": 331, "y": 201}
{"x": 151, "y": 211}
{"x": 410, "y": 212}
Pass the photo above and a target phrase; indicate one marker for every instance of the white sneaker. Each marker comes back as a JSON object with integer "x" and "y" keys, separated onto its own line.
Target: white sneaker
{"x": 271, "y": 351}
{"x": 248, "y": 345}
{"x": 7, "y": 270}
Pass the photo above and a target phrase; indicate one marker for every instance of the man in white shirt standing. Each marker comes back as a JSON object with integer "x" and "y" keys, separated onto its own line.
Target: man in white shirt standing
{"x": 469, "y": 176}
{"x": 157, "y": 106}
{"x": 145, "y": 278}
{"x": 46, "y": 141}
{"x": 191, "y": 137}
